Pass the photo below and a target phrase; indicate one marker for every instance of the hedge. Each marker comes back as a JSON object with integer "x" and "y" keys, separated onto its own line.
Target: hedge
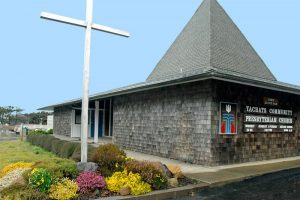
{"x": 61, "y": 148}
{"x": 40, "y": 131}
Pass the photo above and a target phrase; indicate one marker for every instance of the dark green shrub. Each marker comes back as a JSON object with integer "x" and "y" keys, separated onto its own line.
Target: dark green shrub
{"x": 159, "y": 183}
{"x": 60, "y": 168}
{"x": 40, "y": 179}
{"x": 109, "y": 158}
{"x": 77, "y": 153}
{"x": 47, "y": 142}
{"x": 59, "y": 147}
{"x": 150, "y": 173}
{"x": 67, "y": 149}
{"x": 29, "y": 138}
{"x": 50, "y": 132}
{"x": 56, "y": 146}
{"x": 40, "y": 131}
{"x": 44, "y": 141}
{"x": 41, "y": 139}
{"x": 34, "y": 139}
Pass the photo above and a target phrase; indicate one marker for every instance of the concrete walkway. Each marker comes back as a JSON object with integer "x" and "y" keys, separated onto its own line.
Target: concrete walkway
{"x": 234, "y": 173}
{"x": 90, "y": 140}
{"x": 224, "y": 174}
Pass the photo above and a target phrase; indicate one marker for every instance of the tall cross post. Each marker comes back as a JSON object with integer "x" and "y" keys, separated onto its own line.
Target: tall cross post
{"x": 88, "y": 25}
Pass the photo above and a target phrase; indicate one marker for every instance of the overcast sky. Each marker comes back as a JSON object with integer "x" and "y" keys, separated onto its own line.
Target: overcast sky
{"x": 41, "y": 61}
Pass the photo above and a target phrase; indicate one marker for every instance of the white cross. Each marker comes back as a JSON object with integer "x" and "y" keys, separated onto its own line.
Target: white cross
{"x": 88, "y": 25}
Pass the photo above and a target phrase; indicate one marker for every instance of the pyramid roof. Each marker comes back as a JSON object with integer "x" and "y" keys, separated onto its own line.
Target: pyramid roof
{"x": 210, "y": 41}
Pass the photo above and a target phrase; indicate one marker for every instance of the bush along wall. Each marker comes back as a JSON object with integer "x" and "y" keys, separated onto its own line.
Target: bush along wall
{"x": 63, "y": 149}
{"x": 40, "y": 131}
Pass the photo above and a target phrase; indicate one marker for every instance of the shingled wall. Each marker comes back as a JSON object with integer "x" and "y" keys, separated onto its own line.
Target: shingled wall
{"x": 62, "y": 121}
{"x": 173, "y": 122}
{"x": 182, "y": 122}
{"x": 248, "y": 147}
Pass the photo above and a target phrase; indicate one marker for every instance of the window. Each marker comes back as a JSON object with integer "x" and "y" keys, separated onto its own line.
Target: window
{"x": 77, "y": 116}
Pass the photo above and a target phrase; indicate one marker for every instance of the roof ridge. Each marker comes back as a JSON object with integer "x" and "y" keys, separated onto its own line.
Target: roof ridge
{"x": 210, "y": 33}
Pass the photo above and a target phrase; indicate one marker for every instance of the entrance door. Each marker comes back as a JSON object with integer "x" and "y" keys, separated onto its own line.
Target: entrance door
{"x": 100, "y": 128}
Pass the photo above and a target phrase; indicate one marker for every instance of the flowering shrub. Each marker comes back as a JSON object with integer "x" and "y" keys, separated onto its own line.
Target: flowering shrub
{"x": 120, "y": 180}
{"x": 89, "y": 181}
{"x": 19, "y": 165}
{"x": 40, "y": 178}
{"x": 150, "y": 173}
{"x": 63, "y": 190}
{"x": 109, "y": 158}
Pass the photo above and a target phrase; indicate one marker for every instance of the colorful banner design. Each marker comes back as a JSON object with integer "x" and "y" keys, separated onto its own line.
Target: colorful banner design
{"x": 228, "y": 125}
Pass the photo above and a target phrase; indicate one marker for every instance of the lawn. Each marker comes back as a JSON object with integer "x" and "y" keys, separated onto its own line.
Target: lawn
{"x": 18, "y": 151}
{"x": 48, "y": 168}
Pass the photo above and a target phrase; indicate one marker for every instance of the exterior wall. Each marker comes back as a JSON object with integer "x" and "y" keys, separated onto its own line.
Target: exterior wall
{"x": 173, "y": 122}
{"x": 248, "y": 147}
{"x": 62, "y": 121}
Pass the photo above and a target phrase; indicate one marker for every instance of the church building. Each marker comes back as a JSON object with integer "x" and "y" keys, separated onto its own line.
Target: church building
{"x": 211, "y": 100}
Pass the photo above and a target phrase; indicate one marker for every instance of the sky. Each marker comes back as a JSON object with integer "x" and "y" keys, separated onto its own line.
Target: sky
{"x": 41, "y": 61}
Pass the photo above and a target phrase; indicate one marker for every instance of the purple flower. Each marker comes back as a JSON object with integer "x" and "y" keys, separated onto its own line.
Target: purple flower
{"x": 89, "y": 182}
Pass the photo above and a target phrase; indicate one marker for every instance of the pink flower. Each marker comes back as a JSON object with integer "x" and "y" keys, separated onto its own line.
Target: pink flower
{"x": 89, "y": 182}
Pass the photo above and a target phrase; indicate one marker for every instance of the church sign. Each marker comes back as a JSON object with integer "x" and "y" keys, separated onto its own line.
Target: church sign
{"x": 264, "y": 120}
{"x": 228, "y": 122}
{"x": 270, "y": 101}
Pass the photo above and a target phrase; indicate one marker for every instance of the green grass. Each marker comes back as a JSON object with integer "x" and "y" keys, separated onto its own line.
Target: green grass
{"x": 18, "y": 151}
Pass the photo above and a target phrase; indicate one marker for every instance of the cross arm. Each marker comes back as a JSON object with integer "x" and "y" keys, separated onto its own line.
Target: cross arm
{"x": 63, "y": 19}
{"x": 81, "y": 23}
{"x": 110, "y": 30}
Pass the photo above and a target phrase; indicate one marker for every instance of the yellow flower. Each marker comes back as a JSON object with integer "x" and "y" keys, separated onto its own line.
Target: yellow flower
{"x": 11, "y": 167}
{"x": 129, "y": 158}
{"x": 65, "y": 189}
{"x": 121, "y": 180}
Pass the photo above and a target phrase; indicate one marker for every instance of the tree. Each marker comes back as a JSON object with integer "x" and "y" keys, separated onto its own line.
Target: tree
{"x": 13, "y": 115}
{"x": 38, "y": 118}
{"x": 17, "y": 110}
{"x": 6, "y": 114}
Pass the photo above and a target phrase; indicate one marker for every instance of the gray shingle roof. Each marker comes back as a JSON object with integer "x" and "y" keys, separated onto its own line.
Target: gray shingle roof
{"x": 210, "y": 40}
